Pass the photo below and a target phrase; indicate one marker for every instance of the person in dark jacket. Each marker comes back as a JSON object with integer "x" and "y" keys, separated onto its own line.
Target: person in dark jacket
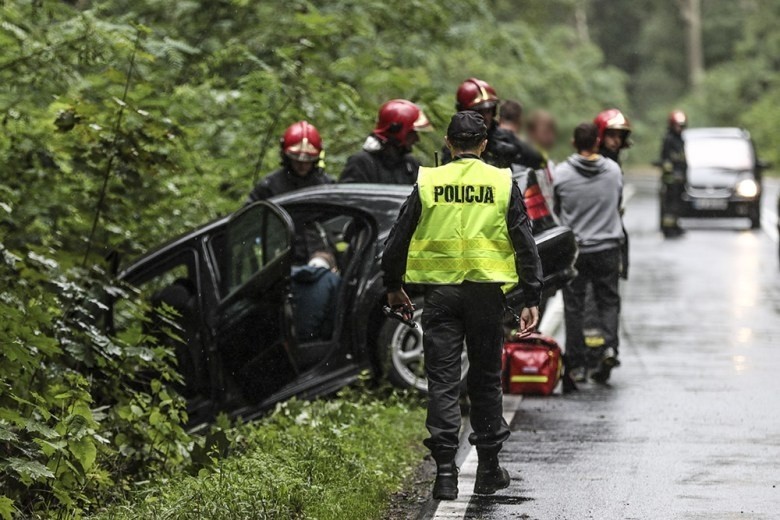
{"x": 588, "y": 191}
{"x": 451, "y": 208}
{"x": 301, "y": 149}
{"x": 387, "y": 157}
{"x": 675, "y": 173}
{"x": 504, "y": 147}
{"x": 315, "y": 289}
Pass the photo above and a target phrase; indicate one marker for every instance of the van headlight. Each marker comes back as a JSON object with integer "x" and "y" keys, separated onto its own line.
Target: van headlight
{"x": 747, "y": 188}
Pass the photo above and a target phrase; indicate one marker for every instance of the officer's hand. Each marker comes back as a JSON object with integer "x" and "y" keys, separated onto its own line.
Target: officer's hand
{"x": 400, "y": 298}
{"x": 529, "y": 319}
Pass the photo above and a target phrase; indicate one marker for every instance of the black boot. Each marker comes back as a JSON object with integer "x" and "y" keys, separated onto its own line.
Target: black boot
{"x": 490, "y": 475}
{"x": 608, "y": 362}
{"x": 446, "y": 485}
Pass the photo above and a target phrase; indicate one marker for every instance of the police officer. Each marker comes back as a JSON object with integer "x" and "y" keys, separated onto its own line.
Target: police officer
{"x": 504, "y": 148}
{"x": 675, "y": 171}
{"x": 386, "y": 157}
{"x": 301, "y": 147}
{"x": 463, "y": 233}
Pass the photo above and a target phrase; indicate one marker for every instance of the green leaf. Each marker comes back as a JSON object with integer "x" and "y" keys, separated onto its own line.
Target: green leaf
{"x": 6, "y": 508}
{"x": 30, "y": 470}
{"x": 6, "y": 434}
{"x": 85, "y": 452}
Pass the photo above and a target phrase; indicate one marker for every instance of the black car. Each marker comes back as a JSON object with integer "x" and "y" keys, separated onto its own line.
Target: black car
{"x": 724, "y": 175}
{"x": 230, "y": 283}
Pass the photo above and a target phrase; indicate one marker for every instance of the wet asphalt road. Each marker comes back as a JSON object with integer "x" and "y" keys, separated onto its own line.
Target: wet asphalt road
{"x": 690, "y": 426}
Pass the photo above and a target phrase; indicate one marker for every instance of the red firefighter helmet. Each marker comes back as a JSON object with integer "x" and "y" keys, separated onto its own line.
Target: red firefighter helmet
{"x": 398, "y": 118}
{"x": 302, "y": 142}
{"x": 613, "y": 119}
{"x": 475, "y": 94}
{"x": 678, "y": 117}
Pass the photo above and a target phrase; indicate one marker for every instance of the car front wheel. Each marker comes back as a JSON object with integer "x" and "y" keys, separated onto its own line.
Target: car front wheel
{"x": 403, "y": 357}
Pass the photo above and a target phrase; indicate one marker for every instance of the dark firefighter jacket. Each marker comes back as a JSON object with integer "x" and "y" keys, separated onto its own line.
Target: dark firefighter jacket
{"x": 673, "y": 156}
{"x": 376, "y": 164}
{"x": 283, "y": 180}
{"x": 504, "y": 149}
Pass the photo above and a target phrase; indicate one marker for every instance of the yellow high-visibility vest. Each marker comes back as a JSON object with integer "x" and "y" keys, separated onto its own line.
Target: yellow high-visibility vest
{"x": 462, "y": 233}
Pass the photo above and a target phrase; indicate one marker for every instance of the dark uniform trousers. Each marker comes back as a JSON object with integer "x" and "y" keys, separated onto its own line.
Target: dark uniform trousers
{"x": 453, "y": 313}
{"x": 602, "y": 270}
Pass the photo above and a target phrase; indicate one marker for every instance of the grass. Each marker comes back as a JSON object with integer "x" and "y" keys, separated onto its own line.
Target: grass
{"x": 337, "y": 459}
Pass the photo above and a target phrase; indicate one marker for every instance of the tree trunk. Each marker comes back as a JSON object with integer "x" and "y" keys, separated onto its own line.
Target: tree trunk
{"x": 581, "y": 21}
{"x": 691, "y": 13}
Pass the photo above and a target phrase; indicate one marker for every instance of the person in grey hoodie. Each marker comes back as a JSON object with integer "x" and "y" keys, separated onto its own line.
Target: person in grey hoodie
{"x": 587, "y": 193}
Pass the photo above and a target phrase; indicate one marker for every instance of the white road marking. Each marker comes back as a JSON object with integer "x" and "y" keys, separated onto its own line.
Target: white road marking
{"x": 456, "y": 509}
{"x": 769, "y": 223}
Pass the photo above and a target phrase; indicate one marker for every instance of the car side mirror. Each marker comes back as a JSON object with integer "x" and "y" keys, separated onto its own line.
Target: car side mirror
{"x": 657, "y": 163}
{"x": 763, "y": 165}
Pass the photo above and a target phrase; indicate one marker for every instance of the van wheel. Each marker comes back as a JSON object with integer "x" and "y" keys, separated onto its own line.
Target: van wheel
{"x": 401, "y": 348}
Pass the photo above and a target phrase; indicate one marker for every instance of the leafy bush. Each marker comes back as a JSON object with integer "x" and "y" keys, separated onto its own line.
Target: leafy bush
{"x": 77, "y": 422}
{"x": 324, "y": 459}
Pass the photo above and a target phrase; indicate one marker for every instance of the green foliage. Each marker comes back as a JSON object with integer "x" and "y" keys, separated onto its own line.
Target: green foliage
{"x": 76, "y": 420}
{"x": 745, "y": 90}
{"x": 325, "y": 459}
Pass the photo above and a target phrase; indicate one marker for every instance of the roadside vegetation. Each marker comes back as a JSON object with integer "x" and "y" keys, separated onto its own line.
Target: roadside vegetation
{"x": 333, "y": 459}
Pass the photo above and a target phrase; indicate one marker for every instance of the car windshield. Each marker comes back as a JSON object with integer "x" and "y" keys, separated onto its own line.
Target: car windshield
{"x": 719, "y": 152}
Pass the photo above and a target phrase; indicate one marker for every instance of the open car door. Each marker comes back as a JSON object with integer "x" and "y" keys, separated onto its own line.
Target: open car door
{"x": 254, "y": 332}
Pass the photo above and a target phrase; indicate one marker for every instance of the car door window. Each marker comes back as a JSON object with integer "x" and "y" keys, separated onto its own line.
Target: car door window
{"x": 172, "y": 316}
{"x": 254, "y": 333}
{"x": 256, "y": 237}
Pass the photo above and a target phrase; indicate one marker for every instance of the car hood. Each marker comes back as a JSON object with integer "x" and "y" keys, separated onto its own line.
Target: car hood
{"x": 714, "y": 177}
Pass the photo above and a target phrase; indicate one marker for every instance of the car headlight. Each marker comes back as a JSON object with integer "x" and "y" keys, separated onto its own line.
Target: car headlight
{"x": 747, "y": 188}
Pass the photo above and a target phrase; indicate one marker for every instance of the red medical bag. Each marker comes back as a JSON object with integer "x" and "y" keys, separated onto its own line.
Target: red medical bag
{"x": 532, "y": 365}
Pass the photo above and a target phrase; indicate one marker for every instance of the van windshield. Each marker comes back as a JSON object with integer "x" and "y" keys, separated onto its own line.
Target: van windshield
{"x": 719, "y": 152}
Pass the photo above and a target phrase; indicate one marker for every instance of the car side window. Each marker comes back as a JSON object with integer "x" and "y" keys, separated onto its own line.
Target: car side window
{"x": 176, "y": 276}
{"x": 254, "y": 239}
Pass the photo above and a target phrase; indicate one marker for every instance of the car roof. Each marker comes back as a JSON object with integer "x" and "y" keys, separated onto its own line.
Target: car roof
{"x": 716, "y": 132}
{"x": 382, "y": 201}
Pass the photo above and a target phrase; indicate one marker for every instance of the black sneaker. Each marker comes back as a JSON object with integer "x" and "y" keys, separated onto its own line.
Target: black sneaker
{"x": 608, "y": 362}
{"x": 446, "y": 485}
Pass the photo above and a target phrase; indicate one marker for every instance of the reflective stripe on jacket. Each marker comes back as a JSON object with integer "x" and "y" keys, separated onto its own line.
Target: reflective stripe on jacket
{"x": 462, "y": 234}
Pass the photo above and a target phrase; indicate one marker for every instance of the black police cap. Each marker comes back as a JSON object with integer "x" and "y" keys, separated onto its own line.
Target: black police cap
{"x": 467, "y": 124}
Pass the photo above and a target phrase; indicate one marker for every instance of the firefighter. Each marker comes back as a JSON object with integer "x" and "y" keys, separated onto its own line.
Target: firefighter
{"x": 386, "y": 157}
{"x": 674, "y": 177}
{"x": 301, "y": 148}
{"x": 614, "y": 133}
{"x": 462, "y": 234}
{"x": 504, "y": 148}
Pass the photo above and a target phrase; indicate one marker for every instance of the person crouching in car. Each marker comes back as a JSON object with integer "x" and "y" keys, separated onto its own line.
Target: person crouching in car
{"x": 315, "y": 289}
{"x": 588, "y": 192}
{"x": 301, "y": 147}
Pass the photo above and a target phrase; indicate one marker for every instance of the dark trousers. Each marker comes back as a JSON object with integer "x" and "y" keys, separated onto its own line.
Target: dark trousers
{"x": 673, "y": 191}
{"x": 453, "y": 313}
{"x": 602, "y": 270}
